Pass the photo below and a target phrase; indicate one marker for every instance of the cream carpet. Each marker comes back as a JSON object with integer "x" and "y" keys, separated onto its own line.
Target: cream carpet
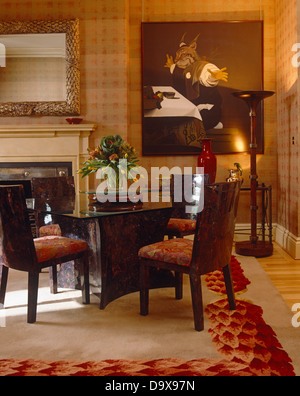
{"x": 67, "y": 330}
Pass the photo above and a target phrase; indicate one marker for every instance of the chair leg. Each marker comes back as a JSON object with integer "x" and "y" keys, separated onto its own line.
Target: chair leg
{"x": 85, "y": 279}
{"x": 229, "y": 287}
{"x": 196, "y": 291}
{"x": 3, "y": 285}
{"x": 144, "y": 290}
{"x": 33, "y": 286}
{"x": 53, "y": 279}
{"x": 178, "y": 285}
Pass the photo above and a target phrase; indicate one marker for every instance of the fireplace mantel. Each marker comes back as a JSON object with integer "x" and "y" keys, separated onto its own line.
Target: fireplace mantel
{"x": 47, "y": 143}
{"x": 45, "y": 130}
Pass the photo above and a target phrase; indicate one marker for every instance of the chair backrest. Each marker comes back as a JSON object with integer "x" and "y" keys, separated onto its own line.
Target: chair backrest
{"x": 215, "y": 228}
{"x": 53, "y": 187}
{"x": 17, "y": 249}
{"x": 185, "y": 183}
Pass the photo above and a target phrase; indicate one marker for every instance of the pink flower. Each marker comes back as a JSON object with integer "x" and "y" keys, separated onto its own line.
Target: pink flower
{"x": 113, "y": 157}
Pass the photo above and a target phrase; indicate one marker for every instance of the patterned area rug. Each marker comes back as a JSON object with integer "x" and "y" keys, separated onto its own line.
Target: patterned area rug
{"x": 247, "y": 346}
{"x": 161, "y": 367}
{"x": 215, "y": 280}
{"x": 242, "y": 336}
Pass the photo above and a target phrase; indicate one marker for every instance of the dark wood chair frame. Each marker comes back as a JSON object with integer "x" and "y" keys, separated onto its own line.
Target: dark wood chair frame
{"x": 18, "y": 250}
{"x": 212, "y": 250}
{"x": 179, "y": 211}
{"x": 52, "y": 187}
{"x": 47, "y": 189}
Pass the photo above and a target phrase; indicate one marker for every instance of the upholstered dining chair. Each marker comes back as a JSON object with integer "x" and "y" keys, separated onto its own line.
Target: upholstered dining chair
{"x": 211, "y": 250}
{"x": 52, "y": 187}
{"x": 19, "y": 251}
{"x": 181, "y": 223}
{"x": 48, "y": 189}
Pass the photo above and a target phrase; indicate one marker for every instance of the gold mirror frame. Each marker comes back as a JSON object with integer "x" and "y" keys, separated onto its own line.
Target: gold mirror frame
{"x": 72, "y": 104}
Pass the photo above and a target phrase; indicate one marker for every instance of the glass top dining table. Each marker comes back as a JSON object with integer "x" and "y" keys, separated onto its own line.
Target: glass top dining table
{"x": 86, "y": 206}
{"x": 114, "y": 236}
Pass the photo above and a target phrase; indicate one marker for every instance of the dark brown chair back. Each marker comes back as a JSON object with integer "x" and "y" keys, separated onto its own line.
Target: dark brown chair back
{"x": 53, "y": 187}
{"x": 185, "y": 184}
{"x": 17, "y": 249}
{"x": 215, "y": 228}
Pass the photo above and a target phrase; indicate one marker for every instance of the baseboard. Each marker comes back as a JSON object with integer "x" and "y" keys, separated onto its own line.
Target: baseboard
{"x": 285, "y": 239}
{"x": 288, "y": 241}
{"x": 243, "y": 232}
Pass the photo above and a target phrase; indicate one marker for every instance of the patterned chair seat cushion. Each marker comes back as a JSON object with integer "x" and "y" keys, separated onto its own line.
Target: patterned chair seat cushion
{"x": 174, "y": 251}
{"x": 54, "y": 247}
{"x": 49, "y": 230}
{"x": 181, "y": 225}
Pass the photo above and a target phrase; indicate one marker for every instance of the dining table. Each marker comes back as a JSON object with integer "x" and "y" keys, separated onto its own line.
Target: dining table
{"x": 115, "y": 236}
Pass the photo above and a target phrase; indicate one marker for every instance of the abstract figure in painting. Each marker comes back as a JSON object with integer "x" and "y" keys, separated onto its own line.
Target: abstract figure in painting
{"x": 197, "y": 79}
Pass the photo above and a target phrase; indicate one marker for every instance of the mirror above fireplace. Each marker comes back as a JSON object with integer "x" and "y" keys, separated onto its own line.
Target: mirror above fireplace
{"x": 41, "y": 74}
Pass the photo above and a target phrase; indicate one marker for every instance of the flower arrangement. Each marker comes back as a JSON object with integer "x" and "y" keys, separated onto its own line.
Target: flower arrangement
{"x": 115, "y": 158}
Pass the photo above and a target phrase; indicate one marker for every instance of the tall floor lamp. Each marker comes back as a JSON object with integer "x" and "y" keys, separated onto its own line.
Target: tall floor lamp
{"x": 254, "y": 247}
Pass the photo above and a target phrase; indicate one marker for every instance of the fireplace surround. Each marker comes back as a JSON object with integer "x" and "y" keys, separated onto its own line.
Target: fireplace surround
{"x": 28, "y": 151}
{"x": 22, "y": 172}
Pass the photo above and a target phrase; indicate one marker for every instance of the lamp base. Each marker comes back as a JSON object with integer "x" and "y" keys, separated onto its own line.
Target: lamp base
{"x": 259, "y": 249}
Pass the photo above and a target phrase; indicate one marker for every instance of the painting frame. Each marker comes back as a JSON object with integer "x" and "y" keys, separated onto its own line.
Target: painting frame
{"x": 171, "y": 125}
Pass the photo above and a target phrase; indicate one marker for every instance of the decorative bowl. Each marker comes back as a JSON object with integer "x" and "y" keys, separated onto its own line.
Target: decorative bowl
{"x": 74, "y": 120}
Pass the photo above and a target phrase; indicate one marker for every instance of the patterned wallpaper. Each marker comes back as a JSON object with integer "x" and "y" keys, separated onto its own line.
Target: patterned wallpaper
{"x": 33, "y": 79}
{"x": 111, "y": 77}
{"x": 287, "y": 115}
{"x": 103, "y": 36}
{"x": 214, "y": 10}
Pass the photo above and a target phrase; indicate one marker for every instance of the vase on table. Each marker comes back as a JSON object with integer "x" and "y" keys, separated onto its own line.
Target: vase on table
{"x": 115, "y": 163}
{"x": 208, "y": 160}
{"x": 113, "y": 194}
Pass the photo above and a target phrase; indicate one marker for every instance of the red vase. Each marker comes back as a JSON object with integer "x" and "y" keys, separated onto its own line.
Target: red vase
{"x": 208, "y": 160}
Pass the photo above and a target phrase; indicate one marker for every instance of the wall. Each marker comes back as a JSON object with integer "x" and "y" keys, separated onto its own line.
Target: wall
{"x": 213, "y": 10}
{"x": 111, "y": 67}
{"x": 287, "y": 102}
{"x": 287, "y": 79}
{"x": 103, "y": 39}
{"x": 33, "y": 79}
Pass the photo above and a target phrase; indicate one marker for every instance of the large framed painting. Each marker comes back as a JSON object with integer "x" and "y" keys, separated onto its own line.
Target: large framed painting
{"x": 189, "y": 72}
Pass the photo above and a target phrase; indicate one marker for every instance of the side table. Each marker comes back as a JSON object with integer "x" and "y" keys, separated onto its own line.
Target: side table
{"x": 265, "y": 229}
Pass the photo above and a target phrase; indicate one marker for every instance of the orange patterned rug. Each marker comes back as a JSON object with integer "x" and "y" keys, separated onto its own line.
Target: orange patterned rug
{"x": 242, "y": 336}
{"x": 247, "y": 346}
{"x": 161, "y": 367}
{"x": 215, "y": 280}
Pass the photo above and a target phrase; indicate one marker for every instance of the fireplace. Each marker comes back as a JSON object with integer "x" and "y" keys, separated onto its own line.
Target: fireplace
{"x": 22, "y": 172}
{"x": 28, "y": 151}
